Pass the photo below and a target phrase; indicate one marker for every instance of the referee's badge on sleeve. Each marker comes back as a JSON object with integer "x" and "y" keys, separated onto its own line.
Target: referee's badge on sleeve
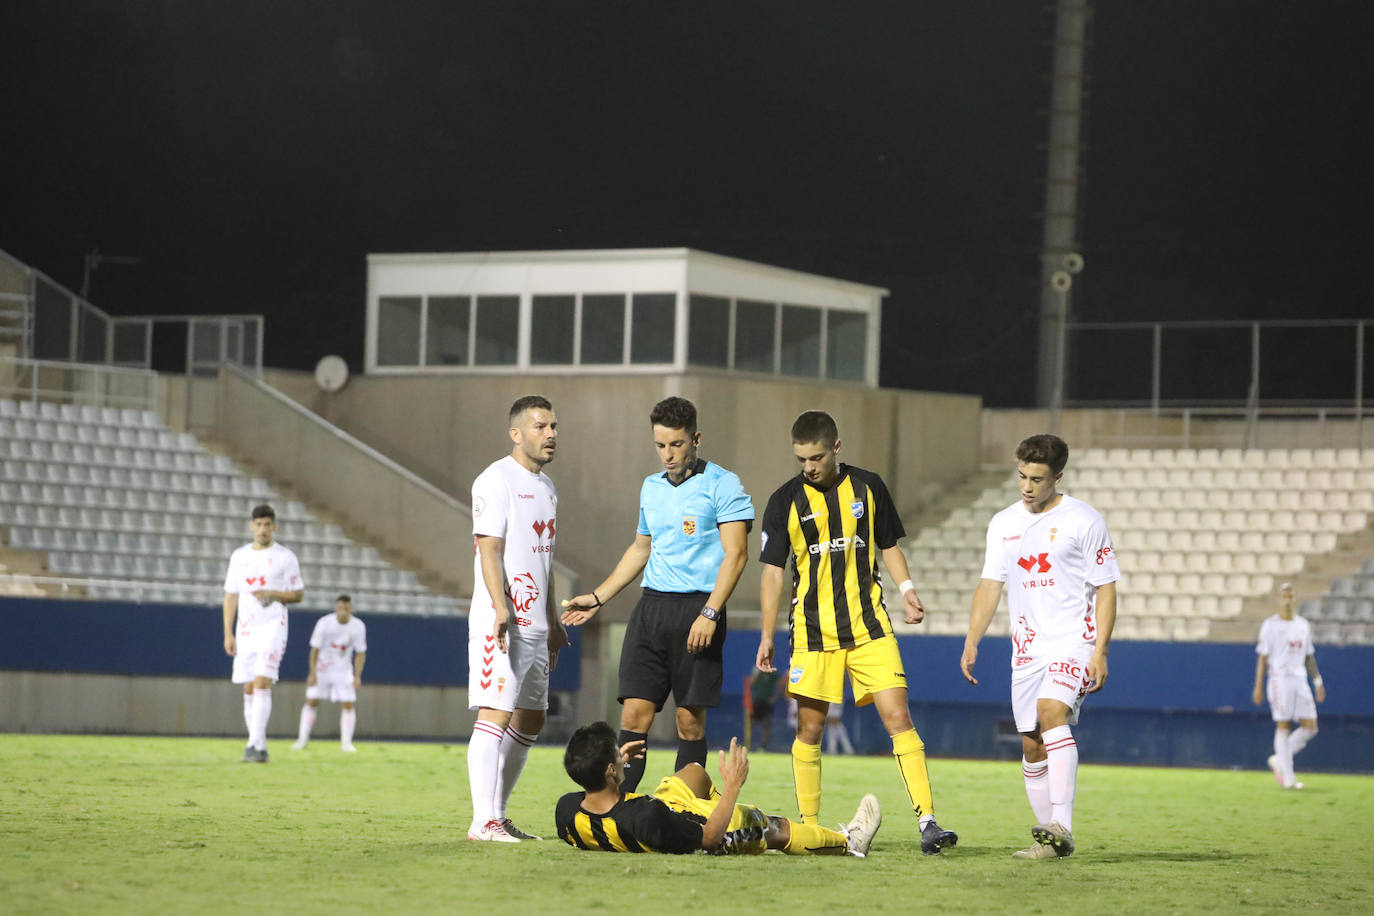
{"x": 857, "y": 509}
{"x": 689, "y": 526}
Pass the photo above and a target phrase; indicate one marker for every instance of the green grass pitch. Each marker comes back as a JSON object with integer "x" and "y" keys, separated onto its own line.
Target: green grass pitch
{"x": 178, "y": 825}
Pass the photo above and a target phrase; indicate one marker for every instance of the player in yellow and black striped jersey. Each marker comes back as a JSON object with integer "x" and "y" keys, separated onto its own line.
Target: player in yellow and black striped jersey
{"x": 834, "y": 537}
{"x": 834, "y": 522}
{"x": 686, "y": 813}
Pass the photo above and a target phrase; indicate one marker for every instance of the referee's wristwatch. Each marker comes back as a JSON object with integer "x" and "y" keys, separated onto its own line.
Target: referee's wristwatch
{"x": 710, "y": 613}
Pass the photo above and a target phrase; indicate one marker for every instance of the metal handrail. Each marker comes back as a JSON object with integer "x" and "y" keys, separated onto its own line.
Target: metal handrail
{"x": 362, "y": 447}
{"x": 101, "y": 395}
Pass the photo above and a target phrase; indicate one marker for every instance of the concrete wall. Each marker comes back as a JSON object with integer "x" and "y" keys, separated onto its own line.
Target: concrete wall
{"x": 405, "y": 515}
{"x": 38, "y": 701}
{"x": 448, "y": 428}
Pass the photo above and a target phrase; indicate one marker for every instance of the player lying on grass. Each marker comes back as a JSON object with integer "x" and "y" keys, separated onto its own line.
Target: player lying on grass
{"x": 685, "y": 813}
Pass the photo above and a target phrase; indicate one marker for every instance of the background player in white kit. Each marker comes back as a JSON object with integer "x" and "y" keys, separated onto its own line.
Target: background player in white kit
{"x": 514, "y": 635}
{"x": 263, "y": 578}
{"x": 1285, "y": 644}
{"x": 338, "y": 651}
{"x": 1055, "y": 555}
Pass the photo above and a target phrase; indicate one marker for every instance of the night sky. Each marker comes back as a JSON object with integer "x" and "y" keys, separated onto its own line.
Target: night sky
{"x": 253, "y": 153}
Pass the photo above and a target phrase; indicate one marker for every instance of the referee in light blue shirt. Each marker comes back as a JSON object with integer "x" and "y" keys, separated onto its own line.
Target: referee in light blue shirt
{"x": 691, "y": 545}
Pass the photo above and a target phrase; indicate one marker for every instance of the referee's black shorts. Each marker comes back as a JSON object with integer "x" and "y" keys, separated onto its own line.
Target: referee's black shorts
{"x": 655, "y": 660}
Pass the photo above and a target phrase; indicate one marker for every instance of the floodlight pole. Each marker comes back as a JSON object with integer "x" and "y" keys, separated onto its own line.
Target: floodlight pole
{"x": 1061, "y": 196}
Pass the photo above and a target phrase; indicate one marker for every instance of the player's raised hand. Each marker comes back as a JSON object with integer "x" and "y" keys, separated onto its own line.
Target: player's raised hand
{"x": 632, "y": 749}
{"x": 764, "y": 660}
{"x": 912, "y": 607}
{"x": 966, "y": 664}
{"x": 580, "y": 609}
{"x": 1097, "y": 672}
{"x": 734, "y": 766}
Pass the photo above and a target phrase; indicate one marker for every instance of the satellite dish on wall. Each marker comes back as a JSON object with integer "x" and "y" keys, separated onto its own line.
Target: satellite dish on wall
{"x": 1060, "y": 281}
{"x": 331, "y": 373}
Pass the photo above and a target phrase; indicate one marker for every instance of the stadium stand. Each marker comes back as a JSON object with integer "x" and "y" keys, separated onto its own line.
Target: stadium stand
{"x": 116, "y": 501}
{"x": 1197, "y": 532}
{"x": 1345, "y": 614}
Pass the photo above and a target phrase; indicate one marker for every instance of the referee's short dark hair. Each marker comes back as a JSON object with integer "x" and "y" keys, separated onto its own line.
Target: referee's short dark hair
{"x": 529, "y": 402}
{"x": 264, "y": 511}
{"x": 344, "y": 599}
{"x": 815, "y": 426}
{"x": 1044, "y": 449}
{"x": 590, "y": 750}
{"x": 674, "y": 413}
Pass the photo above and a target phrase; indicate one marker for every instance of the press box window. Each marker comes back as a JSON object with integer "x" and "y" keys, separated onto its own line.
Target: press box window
{"x": 708, "y": 331}
{"x": 551, "y": 330}
{"x": 447, "y": 330}
{"x": 498, "y": 330}
{"x": 398, "y": 331}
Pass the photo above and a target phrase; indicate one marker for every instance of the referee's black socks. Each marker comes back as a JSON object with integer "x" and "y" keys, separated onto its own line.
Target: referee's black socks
{"x": 690, "y": 752}
{"x": 634, "y": 769}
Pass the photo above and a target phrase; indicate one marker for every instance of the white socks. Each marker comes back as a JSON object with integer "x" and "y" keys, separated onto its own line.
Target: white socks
{"x": 484, "y": 770}
{"x": 1283, "y": 750}
{"x": 248, "y": 712}
{"x": 307, "y": 723}
{"x": 515, "y": 748}
{"x": 348, "y": 718}
{"x": 1063, "y": 773}
{"x": 1298, "y": 740}
{"x": 1038, "y": 789}
{"x": 257, "y": 722}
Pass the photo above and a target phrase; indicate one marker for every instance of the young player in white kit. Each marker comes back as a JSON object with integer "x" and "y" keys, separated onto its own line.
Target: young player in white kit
{"x": 338, "y": 651}
{"x": 1285, "y": 644}
{"x": 263, "y": 578}
{"x": 1055, "y": 555}
{"x": 514, "y": 635}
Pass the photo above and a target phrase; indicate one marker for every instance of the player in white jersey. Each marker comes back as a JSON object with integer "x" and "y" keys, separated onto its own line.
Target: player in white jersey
{"x": 263, "y": 578}
{"x": 1285, "y": 648}
{"x": 514, "y": 635}
{"x": 338, "y": 651}
{"x": 1055, "y": 556}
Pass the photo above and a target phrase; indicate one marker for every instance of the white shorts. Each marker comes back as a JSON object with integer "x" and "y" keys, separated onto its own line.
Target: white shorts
{"x": 509, "y": 680}
{"x": 1064, "y": 678}
{"x": 254, "y": 660}
{"x": 1291, "y": 698}
{"x": 333, "y": 690}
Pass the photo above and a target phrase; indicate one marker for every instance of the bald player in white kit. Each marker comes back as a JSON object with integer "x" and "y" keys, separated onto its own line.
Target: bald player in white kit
{"x": 1056, "y": 558}
{"x": 263, "y": 578}
{"x": 1285, "y": 648}
{"x": 514, "y": 635}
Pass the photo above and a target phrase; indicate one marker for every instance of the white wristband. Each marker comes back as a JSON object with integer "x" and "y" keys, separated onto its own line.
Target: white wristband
{"x": 1317, "y": 681}
{"x": 906, "y": 587}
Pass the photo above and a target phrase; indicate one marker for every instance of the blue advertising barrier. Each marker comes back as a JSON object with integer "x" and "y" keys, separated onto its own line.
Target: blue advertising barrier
{"x": 182, "y": 640}
{"x": 1165, "y": 704}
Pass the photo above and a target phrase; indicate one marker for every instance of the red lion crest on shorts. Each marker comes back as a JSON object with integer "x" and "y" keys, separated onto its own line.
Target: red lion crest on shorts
{"x": 1026, "y": 637}
{"x": 522, "y": 591}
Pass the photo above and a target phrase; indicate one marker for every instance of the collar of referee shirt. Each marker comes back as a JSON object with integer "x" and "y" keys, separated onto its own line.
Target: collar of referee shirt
{"x": 697, "y": 467}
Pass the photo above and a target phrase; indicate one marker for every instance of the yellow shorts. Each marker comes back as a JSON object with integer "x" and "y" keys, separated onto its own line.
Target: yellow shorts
{"x": 874, "y": 666}
{"x": 744, "y": 835}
